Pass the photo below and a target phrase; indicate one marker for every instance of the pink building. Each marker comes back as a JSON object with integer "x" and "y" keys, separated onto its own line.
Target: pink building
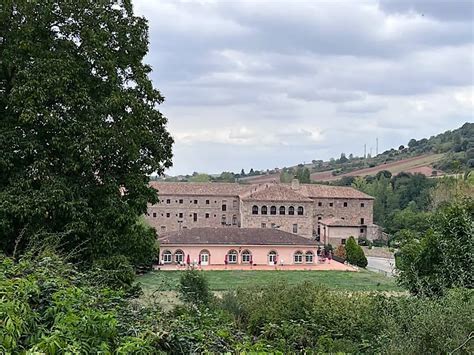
{"x": 237, "y": 246}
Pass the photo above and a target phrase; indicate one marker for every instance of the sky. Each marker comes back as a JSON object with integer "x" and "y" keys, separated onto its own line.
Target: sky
{"x": 265, "y": 84}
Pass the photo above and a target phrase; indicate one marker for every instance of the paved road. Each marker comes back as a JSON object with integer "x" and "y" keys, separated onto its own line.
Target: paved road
{"x": 385, "y": 265}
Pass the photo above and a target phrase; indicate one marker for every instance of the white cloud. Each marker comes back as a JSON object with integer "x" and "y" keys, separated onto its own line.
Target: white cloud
{"x": 264, "y": 84}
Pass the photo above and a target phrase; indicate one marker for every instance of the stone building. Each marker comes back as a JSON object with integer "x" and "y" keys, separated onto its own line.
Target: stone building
{"x": 327, "y": 213}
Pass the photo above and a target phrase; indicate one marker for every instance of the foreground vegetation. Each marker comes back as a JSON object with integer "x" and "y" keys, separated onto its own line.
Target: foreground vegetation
{"x": 48, "y": 306}
{"x": 234, "y": 279}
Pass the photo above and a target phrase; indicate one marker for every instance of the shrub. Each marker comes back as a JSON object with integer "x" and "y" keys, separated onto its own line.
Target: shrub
{"x": 115, "y": 272}
{"x": 355, "y": 254}
{"x": 193, "y": 287}
{"x": 341, "y": 252}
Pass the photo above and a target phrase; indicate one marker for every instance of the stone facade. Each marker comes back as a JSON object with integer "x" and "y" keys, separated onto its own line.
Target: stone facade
{"x": 293, "y": 208}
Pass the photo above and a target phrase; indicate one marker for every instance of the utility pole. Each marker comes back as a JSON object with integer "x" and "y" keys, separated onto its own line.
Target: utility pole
{"x": 377, "y": 146}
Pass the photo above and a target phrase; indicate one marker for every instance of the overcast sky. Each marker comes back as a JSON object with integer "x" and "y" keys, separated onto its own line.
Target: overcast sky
{"x": 264, "y": 84}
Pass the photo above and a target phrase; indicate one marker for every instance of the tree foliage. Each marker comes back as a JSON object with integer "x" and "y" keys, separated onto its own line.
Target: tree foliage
{"x": 80, "y": 131}
{"x": 442, "y": 257}
{"x": 354, "y": 253}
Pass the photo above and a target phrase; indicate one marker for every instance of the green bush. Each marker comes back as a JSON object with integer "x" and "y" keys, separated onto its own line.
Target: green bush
{"x": 355, "y": 254}
{"x": 193, "y": 287}
{"x": 115, "y": 272}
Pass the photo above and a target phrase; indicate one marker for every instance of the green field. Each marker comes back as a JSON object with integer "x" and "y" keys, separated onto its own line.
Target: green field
{"x": 231, "y": 279}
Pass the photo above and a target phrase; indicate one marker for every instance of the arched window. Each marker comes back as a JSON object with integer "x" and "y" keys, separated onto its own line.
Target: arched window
{"x": 264, "y": 210}
{"x": 167, "y": 257}
{"x": 309, "y": 257}
{"x": 291, "y": 210}
{"x": 272, "y": 257}
{"x": 298, "y": 257}
{"x": 178, "y": 256}
{"x": 246, "y": 257}
{"x": 282, "y": 210}
{"x": 204, "y": 257}
{"x": 254, "y": 209}
{"x": 273, "y": 210}
{"x": 300, "y": 210}
{"x": 232, "y": 257}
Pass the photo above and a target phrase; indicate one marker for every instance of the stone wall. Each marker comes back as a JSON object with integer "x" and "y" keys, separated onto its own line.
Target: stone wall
{"x": 194, "y": 211}
{"x": 352, "y": 212}
{"x": 286, "y": 222}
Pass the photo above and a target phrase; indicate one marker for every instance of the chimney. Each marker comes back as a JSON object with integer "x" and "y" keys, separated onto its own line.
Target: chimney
{"x": 295, "y": 184}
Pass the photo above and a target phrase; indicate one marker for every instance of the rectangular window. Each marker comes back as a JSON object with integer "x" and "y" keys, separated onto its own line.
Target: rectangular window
{"x": 362, "y": 231}
{"x": 320, "y": 204}
{"x": 208, "y": 202}
{"x": 330, "y": 204}
{"x": 224, "y": 208}
{"x": 362, "y": 204}
{"x": 154, "y": 214}
{"x": 345, "y": 204}
{"x": 168, "y": 201}
{"x": 343, "y": 241}
{"x": 181, "y": 215}
{"x": 361, "y": 221}
{"x": 207, "y": 215}
{"x": 295, "y": 228}
{"x": 168, "y": 215}
{"x": 264, "y": 225}
{"x": 181, "y": 201}
{"x": 298, "y": 258}
{"x": 195, "y": 202}
{"x": 195, "y": 217}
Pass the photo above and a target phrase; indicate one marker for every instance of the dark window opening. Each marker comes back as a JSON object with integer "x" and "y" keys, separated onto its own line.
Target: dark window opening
{"x": 300, "y": 211}
{"x": 282, "y": 210}
{"x": 181, "y": 201}
{"x": 168, "y": 201}
{"x": 362, "y": 221}
{"x": 207, "y": 202}
{"x": 168, "y": 215}
{"x": 273, "y": 210}
{"x": 254, "y": 209}
{"x": 195, "y": 217}
{"x": 264, "y": 210}
{"x": 154, "y": 214}
{"x": 320, "y": 204}
{"x": 343, "y": 241}
{"x": 291, "y": 210}
{"x": 330, "y": 204}
{"x": 224, "y": 208}
{"x": 195, "y": 202}
{"x": 345, "y": 204}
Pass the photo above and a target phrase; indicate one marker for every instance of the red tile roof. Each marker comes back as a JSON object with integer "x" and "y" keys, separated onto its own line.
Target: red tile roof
{"x": 199, "y": 188}
{"x": 274, "y": 192}
{"x": 267, "y": 192}
{"x": 326, "y": 191}
{"x": 234, "y": 236}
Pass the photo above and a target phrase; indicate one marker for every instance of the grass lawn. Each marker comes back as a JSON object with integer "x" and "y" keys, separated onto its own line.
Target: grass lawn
{"x": 231, "y": 279}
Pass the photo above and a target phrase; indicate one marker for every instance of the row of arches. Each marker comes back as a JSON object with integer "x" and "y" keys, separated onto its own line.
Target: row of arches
{"x": 281, "y": 210}
{"x": 232, "y": 257}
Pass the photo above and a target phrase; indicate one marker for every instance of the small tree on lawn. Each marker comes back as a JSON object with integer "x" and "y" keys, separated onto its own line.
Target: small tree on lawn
{"x": 193, "y": 287}
{"x": 355, "y": 254}
{"x": 341, "y": 252}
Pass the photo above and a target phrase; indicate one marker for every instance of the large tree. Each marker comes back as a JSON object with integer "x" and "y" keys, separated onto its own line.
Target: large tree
{"x": 80, "y": 131}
